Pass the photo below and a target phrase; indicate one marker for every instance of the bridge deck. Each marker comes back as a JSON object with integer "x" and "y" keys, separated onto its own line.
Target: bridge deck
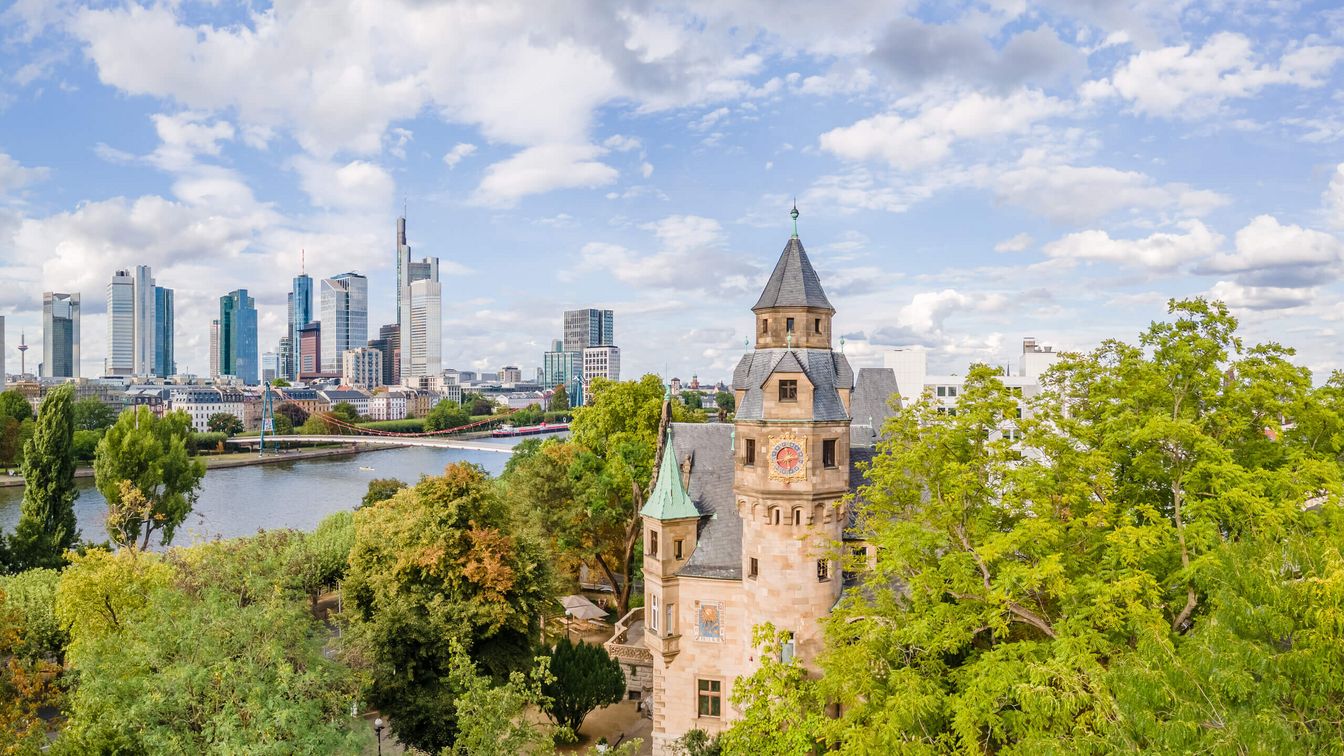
{"x": 442, "y": 443}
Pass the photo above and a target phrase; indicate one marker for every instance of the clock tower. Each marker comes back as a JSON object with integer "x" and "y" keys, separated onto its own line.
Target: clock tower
{"x": 791, "y": 454}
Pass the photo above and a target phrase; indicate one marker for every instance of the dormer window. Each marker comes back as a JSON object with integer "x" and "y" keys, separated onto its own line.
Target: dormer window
{"x": 765, "y": 326}
{"x": 816, "y": 325}
{"x": 788, "y": 325}
{"x": 788, "y": 391}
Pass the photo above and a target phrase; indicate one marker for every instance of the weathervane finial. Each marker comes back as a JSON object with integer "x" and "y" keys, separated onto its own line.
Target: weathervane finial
{"x": 794, "y": 214}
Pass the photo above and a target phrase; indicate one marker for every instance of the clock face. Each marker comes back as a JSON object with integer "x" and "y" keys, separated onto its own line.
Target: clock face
{"x": 787, "y": 458}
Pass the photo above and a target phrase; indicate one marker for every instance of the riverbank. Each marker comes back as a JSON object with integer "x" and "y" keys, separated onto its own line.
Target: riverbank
{"x": 239, "y": 459}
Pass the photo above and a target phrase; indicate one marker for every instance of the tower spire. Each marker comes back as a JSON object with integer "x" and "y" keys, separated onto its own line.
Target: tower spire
{"x": 794, "y": 214}
{"x": 303, "y": 261}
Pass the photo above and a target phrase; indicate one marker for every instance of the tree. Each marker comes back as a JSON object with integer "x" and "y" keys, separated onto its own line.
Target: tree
{"x": 477, "y": 404}
{"x": 781, "y": 708}
{"x": 691, "y": 399}
{"x": 618, "y": 437}
{"x": 529, "y": 415}
{"x": 282, "y": 425}
{"x": 296, "y": 414}
{"x": 1148, "y": 578}
{"x": 27, "y": 681}
{"x": 381, "y": 489}
{"x": 13, "y": 435}
{"x": 47, "y": 527}
{"x": 559, "y": 399}
{"x": 320, "y": 559}
{"x": 493, "y": 719}
{"x": 224, "y": 422}
{"x": 346, "y": 412}
{"x": 151, "y": 453}
{"x": 446, "y": 414}
{"x": 91, "y": 414}
{"x": 442, "y": 561}
{"x": 280, "y": 383}
{"x": 15, "y": 405}
{"x": 584, "y": 678}
{"x": 726, "y": 403}
{"x": 85, "y": 444}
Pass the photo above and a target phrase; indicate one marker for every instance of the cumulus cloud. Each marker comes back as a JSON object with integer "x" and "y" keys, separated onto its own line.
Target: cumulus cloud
{"x": 1186, "y": 81}
{"x": 1014, "y": 244}
{"x": 1270, "y": 254}
{"x": 356, "y": 185}
{"x": 691, "y": 255}
{"x": 1160, "y": 252}
{"x": 458, "y": 153}
{"x": 1238, "y": 296}
{"x": 927, "y": 136}
{"x": 918, "y": 52}
{"x": 1333, "y": 199}
{"x": 14, "y": 176}
{"x": 543, "y": 169}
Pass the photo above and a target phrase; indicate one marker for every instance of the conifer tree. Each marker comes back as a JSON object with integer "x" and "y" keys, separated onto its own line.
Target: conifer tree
{"x": 47, "y": 527}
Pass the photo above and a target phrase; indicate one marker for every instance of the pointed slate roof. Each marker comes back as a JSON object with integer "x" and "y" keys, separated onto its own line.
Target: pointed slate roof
{"x": 794, "y": 283}
{"x": 669, "y": 500}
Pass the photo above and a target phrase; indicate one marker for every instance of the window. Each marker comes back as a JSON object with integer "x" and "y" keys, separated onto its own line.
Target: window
{"x": 774, "y": 515}
{"x": 676, "y": 549}
{"x": 788, "y": 325}
{"x": 754, "y": 569}
{"x": 816, "y": 325}
{"x": 788, "y": 391}
{"x": 653, "y": 615}
{"x": 828, "y": 453}
{"x": 709, "y": 694}
{"x": 951, "y": 390}
{"x": 709, "y": 622}
{"x": 797, "y": 517}
{"x": 1019, "y": 413}
{"x": 942, "y": 391}
{"x": 653, "y": 543}
{"x": 751, "y": 453}
{"x": 765, "y": 326}
{"x": 786, "y": 650}
{"x": 823, "y": 570}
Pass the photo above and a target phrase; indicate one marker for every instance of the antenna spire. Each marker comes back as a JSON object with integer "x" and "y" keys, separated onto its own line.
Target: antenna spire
{"x": 303, "y": 261}
{"x": 794, "y": 214}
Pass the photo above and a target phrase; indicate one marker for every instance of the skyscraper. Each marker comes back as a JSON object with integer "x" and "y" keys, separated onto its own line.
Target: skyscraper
{"x": 145, "y": 334}
{"x": 588, "y": 328}
{"x": 270, "y": 366}
{"x": 60, "y": 335}
{"x": 165, "y": 361}
{"x": 214, "y": 349}
{"x": 310, "y": 351}
{"x": 300, "y": 315}
{"x": 238, "y": 336}
{"x": 345, "y": 317}
{"x": 120, "y": 325}
{"x": 422, "y": 330}
{"x": 389, "y": 343}
{"x": 409, "y": 272}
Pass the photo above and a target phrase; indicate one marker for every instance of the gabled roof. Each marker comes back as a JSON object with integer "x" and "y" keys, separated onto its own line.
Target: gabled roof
{"x": 794, "y": 283}
{"x": 669, "y": 500}
{"x": 870, "y": 405}
{"x": 827, "y": 371}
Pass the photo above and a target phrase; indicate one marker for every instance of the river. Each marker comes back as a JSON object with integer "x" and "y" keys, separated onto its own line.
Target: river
{"x": 239, "y": 501}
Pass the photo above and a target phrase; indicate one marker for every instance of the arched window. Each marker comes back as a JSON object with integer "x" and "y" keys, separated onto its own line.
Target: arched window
{"x": 775, "y": 515}
{"x": 797, "y": 517}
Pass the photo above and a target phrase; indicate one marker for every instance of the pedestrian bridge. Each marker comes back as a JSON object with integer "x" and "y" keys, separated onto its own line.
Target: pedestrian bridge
{"x": 442, "y": 443}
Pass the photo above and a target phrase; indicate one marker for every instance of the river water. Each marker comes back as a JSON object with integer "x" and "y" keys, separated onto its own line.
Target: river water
{"x": 239, "y": 501}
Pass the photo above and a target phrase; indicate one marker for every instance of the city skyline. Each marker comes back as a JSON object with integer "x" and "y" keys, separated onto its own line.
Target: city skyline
{"x": 967, "y": 177}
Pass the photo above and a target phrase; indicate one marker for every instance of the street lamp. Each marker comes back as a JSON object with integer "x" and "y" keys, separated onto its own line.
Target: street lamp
{"x": 378, "y": 728}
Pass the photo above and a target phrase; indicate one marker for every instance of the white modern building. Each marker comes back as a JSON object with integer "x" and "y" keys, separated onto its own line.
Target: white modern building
{"x": 600, "y": 362}
{"x": 145, "y": 332}
{"x": 362, "y": 368}
{"x": 422, "y": 329}
{"x": 120, "y": 325}
{"x": 345, "y": 317}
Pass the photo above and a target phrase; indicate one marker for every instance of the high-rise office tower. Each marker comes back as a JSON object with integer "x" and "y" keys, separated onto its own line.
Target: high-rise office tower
{"x": 588, "y": 328}
{"x": 310, "y": 351}
{"x": 300, "y": 315}
{"x": 422, "y": 330}
{"x": 286, "y": 353}
{"x": 60, "y": 335}
{"x": 144, "y": 335}
{"x": 389, "y": 343}
{"x": 165, "y": 361}
{"x": 214, "y": 349}
{"x": 345, "y": 317}
{"x": 120, "y": 325}
{"x": 270, "y": 366}
{"x": 408, "y": 272}
{"x": 238, "y": 336}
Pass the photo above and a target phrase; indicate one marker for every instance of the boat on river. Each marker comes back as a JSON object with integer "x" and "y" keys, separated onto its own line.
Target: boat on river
{"x": 509, "y": 431}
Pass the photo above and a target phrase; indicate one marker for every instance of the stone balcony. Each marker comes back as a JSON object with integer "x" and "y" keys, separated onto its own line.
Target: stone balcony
{"x": 627, "y": 644}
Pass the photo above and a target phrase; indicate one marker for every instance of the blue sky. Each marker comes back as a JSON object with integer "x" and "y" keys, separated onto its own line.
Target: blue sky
{"x": 968, "y": 174}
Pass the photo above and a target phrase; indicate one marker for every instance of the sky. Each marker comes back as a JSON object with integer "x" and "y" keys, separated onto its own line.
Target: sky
{"x": 968, "y": 174}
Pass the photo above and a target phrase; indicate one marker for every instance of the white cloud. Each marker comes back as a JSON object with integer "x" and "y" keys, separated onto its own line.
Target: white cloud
{"x": 692, "y": 255}
{"x": 14, "y": 176}
{"x": 927, "y": 136}
{"x": 1332, "y": 199}
{"x": 1159, "y": 252}
{"x": 356, "y": 185}
{"x": 1014, "y": 244}
{"x": 646, "y": 169}
{"x": 1238, "y": 296}
{"x": 710, "y": 119}
{"x": 185, "y": 135}
{"x": 542, "y": 169}
{"x": 1271, "y": 254}
{"x": 458, "y": 153}
{"x": 1192, "y": 82}
{"x": 620, "y": 143}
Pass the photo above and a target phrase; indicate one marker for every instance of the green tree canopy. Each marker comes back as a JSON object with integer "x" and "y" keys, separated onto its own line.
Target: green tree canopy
{"x": 381, "y": 489}
{"x": 446, "y": 414}
{"x": 441, "y": 562}
{"x": 224, "y": 422}
{"x": 47, "y": 527}
{"x": 1148, "y": 569}
{"x": 151, "y": 453}
{"x": 15, "y": 405}
{"x": 477, "y": 404}
{"x": 529, "y": 415}
{"x": 296, "y": 414}
{"x": 91, "y": 414}
{"x": 584, "y": 677}
{"x": 559, "y": 399}
{"x": 345, "y": 412}
{"x": 692, "y": 399}
{"x": 280, "y": 383}
{"x": 28, "y": 679}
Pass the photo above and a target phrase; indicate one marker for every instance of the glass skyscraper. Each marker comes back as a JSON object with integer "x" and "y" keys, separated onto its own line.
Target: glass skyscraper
{"x": 60, "y": 335}
{"x": 345, "y": 317}
{"x": 300, "y": 315}
{"x": 588, "y": 328}
{"x": 238, "y": 336}
{"x": 165, "y": 364}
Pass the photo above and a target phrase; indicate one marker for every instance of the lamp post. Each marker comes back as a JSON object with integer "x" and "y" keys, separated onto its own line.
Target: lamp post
{"x": 378, "y": 728}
